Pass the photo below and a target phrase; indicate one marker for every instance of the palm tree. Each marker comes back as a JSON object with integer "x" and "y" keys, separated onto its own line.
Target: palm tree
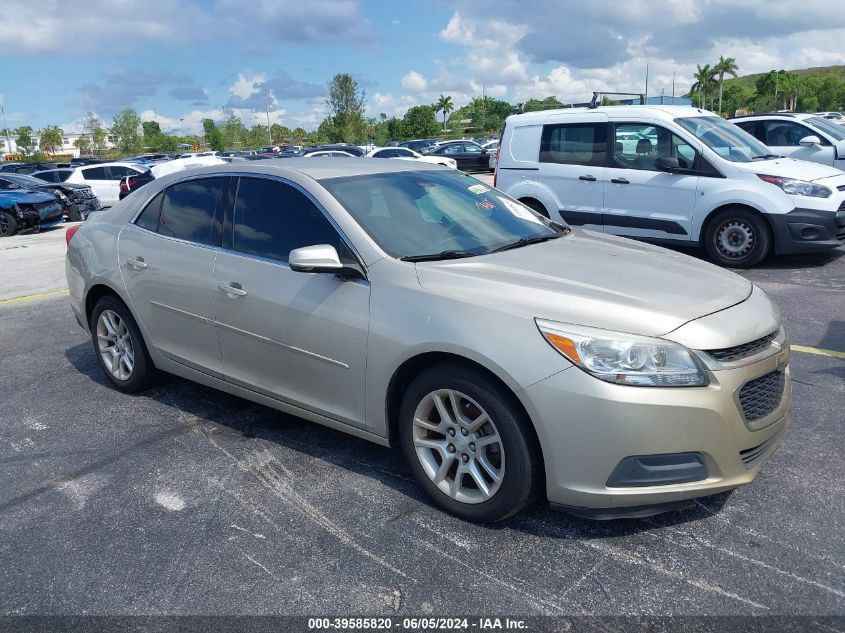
{"x": 725, "y": 66}
{"x": 703, "y": 78}
{"x": 444, "y": 105}
{"x": 51, "y": 138}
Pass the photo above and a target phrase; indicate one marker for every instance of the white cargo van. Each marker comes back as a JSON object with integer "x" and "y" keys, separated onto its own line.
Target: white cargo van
{"x": 674, "y": 175}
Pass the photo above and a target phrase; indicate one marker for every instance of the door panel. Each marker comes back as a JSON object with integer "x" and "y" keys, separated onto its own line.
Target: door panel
{"x": 573, "y": 155}
{"x": 170, "y": 286}
{"x": 639, "y": 199}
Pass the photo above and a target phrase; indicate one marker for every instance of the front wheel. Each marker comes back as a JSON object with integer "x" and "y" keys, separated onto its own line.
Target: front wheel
{"x": 737, "y": 238}
{"x": 468, "y": 444}
{"x": 75, "y": 215}
{"x": 8, "y": 224}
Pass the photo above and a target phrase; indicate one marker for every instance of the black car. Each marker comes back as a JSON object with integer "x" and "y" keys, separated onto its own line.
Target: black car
{"x": 77, "y": 200}
{"x": 28, "y": 168}
{"x": 128, "y": 184}
{"x": 469, "y": 155}
{"x": 419, "y": 145}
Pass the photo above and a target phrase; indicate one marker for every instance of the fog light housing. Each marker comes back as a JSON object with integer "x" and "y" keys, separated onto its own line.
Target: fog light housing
{"x": 658, "y": 470}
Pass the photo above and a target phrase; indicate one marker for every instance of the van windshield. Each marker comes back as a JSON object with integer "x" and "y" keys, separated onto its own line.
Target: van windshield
{"x": 726, "y": 139}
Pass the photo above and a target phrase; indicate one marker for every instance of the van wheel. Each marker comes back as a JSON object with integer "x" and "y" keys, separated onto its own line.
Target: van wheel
{"x": 468, "y": 445}
{"x": 537, "y": 206}
{"x": 737, "y": 238}
{"x": 8, "y": 224}
{"x": 119, "y": 346}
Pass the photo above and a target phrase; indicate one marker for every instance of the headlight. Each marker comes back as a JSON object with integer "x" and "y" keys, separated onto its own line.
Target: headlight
{"x": 625, "y": 359}
{"x": 797, "y": 187}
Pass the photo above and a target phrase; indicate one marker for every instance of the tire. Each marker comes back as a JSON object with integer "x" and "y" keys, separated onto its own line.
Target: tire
{"x": 142, "y": 373}
{"x": 8, "y": 224}
{"x": 74, "y": 215}
{"x": 737, "y": 238}
{"x": 510, "y": 446}
{"x": 537, "y": 206}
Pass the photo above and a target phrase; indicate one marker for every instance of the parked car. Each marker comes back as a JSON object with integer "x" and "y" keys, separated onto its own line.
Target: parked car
{"x": 800, "y": 136}
{"x": 327, "y": 153}
{"x": 77, "y": 200}
{"x": 27, "y": 168}
{"x": 23, "y": 210}
{"x": 56, "y": 175}
{"x": 419, "y": 145}
{"x": 692, "y": 178}
{"x": 469, "y": 155}
{"x": 508, "y": 356}
{"x": 836, "y": 117}
{"x": 128, "y": 184}
{"x": 105, "y": 178}
{"x": 403, "y": 153}
{"x": 352, "y": 150}
{"x": 133, "y": 182}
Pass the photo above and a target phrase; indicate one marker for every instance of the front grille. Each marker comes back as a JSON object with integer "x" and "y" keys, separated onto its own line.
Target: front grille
{"x": 761, "y": 396}
{"x": 840, "y": 223}
{"x": 841, "y": 208}
{"x": 753, "y": 456}
{"x": 728, "y": 354}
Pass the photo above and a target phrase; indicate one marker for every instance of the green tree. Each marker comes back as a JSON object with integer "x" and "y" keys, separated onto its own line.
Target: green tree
{"x": 51, "y": 138}
{"x": 299, "y": 135}
{"x": 420, "y": 121}
{"x": 126, "y": 127}
{"x": 444, "y": 104}
{"x": 702, "y": 80}
{"x": 831, "y": 94}
{"x": 725, "y": 66}
{"x": 94, "y": 129}
{"x": 83, "y": 144}
{"x": 549, "y": 103}
{"x": 24, "y": 142}
{"x": 234, "y": 132}
{"x": 346, "y": 102}
{"x": 212, "y": 135}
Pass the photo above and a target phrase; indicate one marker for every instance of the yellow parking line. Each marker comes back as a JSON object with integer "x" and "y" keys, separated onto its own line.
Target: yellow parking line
{"x": 817, "y": 351}
{"x": 35, "y": 295}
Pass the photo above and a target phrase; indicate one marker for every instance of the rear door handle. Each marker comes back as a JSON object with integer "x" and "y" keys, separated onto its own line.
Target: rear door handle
{"x": 620, "y": 181}
{"x": 588, "y": 177}
{"x": 233, "y": 290}
{"x": 137, "y": 263}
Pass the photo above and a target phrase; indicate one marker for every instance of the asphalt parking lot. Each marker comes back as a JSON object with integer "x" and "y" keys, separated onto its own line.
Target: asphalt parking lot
{"x": 184, "y": 500}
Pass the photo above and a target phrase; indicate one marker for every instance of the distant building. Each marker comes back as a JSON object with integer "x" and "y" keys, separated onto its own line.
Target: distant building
{"x": 9, "y": 145}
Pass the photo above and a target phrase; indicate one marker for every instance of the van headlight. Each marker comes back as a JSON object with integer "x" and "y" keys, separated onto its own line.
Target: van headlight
{"x": 797, "y": 187}
{"x": 625, "y": 359}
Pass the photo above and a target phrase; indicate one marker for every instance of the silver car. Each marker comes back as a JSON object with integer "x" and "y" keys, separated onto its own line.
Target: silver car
{"x": 511, "y": 358}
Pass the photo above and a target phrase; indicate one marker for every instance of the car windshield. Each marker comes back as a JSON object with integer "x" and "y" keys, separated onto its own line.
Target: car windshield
{"x": 726, "y": 139}
{"x": 834, "y": 130}
{"x": 420, "y": 214}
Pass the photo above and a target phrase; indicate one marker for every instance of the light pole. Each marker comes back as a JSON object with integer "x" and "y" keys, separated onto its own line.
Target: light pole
{"x": 182, "y": 128}
{"x": 267, "y": 110}
{"x": 6, "y": 125}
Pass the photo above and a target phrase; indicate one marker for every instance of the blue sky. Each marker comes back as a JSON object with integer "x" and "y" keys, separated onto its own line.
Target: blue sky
{"x": 189, "y": 59}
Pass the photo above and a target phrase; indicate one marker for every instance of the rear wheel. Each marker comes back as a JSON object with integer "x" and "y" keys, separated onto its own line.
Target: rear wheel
{"x": 75, "y": 215}
{"x": 536, "y": 205}
{"x": 468, "y": 444}
{"x": 119, "y": 346}
{"x": 737, "y": 238}
{"x": 8, "y": 224}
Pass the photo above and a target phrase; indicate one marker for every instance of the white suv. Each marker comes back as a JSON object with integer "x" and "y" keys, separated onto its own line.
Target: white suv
{"x": 104, "y": 178}
{"x": 674, "y": 175}
{"x": 802, "y": 136}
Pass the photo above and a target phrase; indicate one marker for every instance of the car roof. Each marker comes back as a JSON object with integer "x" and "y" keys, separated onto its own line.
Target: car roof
{"x": 795, "y": 116}
{"x": 317, "y": 169}
{"x": 665, "y": 112}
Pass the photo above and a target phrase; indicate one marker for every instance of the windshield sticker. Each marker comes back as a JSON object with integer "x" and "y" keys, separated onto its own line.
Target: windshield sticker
{"x": 478, "y": 189}
{"x": 485, "y": 204}
{"x": 519, "y": 211}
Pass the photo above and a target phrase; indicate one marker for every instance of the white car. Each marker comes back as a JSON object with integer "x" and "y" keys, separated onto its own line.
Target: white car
{"x": 803, "y": 136}
{"x": 329, "y": 153}
{"x": 404, "y": 153}
{"x": 836, "y": 117}
{"x": 692, "y": 178}
{"x": 104, "y": 178}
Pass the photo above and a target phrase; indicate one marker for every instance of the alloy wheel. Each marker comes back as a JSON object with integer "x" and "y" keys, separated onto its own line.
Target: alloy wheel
{"x": 114, "y": 344}
{"x": 458, "y": 446}
{"x": 735, "y": 239}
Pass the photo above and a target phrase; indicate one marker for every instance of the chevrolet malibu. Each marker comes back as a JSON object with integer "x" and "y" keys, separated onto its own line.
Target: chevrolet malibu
{"x": 510, "y": 357}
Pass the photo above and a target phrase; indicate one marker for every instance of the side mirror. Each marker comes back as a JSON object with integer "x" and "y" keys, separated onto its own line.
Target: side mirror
{"x": 315, "y": 259}
{"x": 810, "y": 141}
{"x": 667, "y": 163}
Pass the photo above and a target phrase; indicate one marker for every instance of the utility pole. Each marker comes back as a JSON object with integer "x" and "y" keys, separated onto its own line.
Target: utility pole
{"x": 6, "y": 125}
{"x": 646, "y": 83}
{"x": 267, "y": 110}
{"x": 483, "y": 108}
{"x": 673, "y": 87}
{"x": 182, "y": 128}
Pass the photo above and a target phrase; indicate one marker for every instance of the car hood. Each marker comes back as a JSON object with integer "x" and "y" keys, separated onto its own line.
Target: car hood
{"x": 26, "y": 196}
{"x": 790, "y": 168}
{"x": 591, "y": 279}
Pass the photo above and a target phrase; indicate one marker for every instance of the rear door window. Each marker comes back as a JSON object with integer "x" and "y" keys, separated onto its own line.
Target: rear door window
{"x": 574, "y": 144}
{"x": 95, "y": 173}
{"x": 188, "y": 210}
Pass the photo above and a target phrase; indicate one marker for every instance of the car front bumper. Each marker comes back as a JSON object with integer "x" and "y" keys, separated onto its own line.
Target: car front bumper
{"x": 807, "y": 230}
{"x": 588, "y": 427}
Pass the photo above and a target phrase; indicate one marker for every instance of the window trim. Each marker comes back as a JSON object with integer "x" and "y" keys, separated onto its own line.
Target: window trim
{"x": 228, "y": 242}
{"x": 697, "y": 169}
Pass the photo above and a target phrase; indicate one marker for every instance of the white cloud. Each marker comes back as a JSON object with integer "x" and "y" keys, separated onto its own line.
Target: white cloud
{"x": 414, "y": 82}
{"x": 245, "y": 85}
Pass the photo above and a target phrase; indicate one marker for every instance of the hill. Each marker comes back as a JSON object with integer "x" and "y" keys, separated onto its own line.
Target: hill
{"x": 822, "y": 72}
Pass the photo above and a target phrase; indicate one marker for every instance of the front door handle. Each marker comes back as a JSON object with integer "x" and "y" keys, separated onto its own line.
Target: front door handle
{"x": 588, "y": 178}
{"x": 137, "y": 263}
{"x": 620, "y": 181}
{"x": 233, "y": 290}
